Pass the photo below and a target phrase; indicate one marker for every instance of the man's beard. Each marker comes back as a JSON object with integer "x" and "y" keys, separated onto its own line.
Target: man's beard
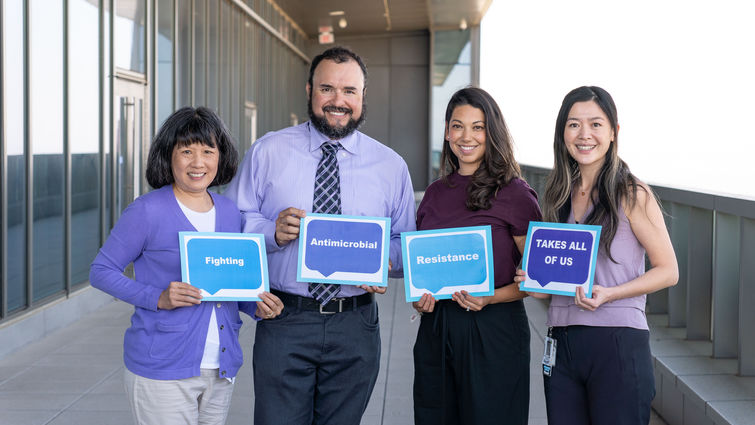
{"x": 331, "y": 132}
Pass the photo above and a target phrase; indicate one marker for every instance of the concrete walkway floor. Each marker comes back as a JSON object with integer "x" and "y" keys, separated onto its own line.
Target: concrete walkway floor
{"x": 75, "y": 375}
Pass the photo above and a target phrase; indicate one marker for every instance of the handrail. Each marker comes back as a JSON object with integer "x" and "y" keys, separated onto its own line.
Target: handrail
{"x": 714, "y": 240}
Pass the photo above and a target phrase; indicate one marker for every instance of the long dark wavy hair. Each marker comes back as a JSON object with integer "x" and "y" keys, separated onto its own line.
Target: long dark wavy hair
{"x": 498, "y": 166}
{"x": 615, "y": 186}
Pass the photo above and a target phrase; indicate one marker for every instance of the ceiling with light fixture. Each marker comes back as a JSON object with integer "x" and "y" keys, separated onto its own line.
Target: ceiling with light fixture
{"x": 382, "y": 16}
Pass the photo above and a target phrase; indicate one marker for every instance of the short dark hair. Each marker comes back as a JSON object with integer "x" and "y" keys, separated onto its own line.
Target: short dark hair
{"x": 337, "y": 54}
{"x": 184, "y": 127}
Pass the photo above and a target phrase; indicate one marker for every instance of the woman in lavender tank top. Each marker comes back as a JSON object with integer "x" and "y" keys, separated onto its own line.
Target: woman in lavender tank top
{"x": 603, "y": 372}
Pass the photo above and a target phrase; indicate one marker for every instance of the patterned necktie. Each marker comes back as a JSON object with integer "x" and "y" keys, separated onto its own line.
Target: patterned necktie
{"x": 327, "y": 200}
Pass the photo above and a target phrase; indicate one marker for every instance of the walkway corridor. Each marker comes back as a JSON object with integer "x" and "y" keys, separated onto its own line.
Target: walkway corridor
{"x": 75, "y": 376}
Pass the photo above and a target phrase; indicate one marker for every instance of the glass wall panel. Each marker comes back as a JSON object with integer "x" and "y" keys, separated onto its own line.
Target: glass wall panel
{"x": 213, "y": 52}
{"x": 200, "y": 58}
{"x": 266, "y": 112}
{"x": 13, "y": 128}
{"x": 225, "y": 61}
{"x": 183, "y": 65}
{"x": 130, "y": 33}
{"x": 452, "y": 71}
{"x": 84, "y": 138}
{"x": 106, "y": 114}
{"x": 46, "y": 124}
{"x": 164, "y": 56}
{"x": 236, "y": 87}
{"x": 250, "y": 61}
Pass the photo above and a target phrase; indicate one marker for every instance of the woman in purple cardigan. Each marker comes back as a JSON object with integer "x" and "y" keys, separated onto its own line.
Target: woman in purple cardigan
{"x": 181, "y": 355}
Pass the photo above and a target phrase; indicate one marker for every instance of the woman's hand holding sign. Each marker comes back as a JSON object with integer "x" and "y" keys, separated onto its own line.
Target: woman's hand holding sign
{"x": 600, "y": 296}
{"x": 425, "y": 304}
{"x": 520, "y": 277}
{"x": 178, "y": 294}
{"x": 469, "y": 302}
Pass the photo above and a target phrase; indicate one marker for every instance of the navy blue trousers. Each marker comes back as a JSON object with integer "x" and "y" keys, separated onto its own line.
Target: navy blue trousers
{"x": 602, "y": 376}
{"x": 312, "y": 368}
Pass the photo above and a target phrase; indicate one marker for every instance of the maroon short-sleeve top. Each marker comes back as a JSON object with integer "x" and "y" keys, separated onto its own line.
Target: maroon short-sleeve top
{"x": 513, "y": 207}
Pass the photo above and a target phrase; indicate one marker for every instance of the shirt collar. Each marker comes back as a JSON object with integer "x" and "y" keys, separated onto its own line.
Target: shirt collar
{"x": 316, "y": 139}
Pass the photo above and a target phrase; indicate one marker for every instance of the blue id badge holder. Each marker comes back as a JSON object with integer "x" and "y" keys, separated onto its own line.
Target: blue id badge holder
{"x": 549, "y": 355}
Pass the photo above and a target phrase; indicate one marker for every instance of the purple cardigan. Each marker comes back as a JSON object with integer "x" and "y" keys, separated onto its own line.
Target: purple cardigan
{"x": 165, "y": 344}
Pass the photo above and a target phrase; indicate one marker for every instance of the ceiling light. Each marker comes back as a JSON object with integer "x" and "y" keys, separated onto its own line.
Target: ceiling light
{"x": 337, "y": 13}
{"x": 342, "y": 23}
{"x": 463, "y": 24}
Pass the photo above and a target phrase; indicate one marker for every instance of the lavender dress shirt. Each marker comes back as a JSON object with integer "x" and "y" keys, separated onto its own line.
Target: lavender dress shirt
{"x": 278, "y": 172}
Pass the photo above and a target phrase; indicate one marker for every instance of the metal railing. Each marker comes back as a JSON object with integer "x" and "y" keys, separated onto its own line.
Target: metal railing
{"x": 714, "y": 239}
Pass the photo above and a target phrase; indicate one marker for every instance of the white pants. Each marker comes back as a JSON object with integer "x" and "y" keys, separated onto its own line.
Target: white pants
{"x": 201, "y": 400}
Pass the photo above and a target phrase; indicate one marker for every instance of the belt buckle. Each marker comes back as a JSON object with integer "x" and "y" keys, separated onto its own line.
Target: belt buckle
{"x": 340, "y": 306}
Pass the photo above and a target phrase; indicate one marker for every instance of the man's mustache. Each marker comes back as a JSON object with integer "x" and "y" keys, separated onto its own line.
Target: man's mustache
{"x": 337, "y": 109}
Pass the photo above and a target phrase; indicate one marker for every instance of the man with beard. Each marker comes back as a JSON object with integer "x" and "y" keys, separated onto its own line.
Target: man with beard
{"x": 317, "y": 362}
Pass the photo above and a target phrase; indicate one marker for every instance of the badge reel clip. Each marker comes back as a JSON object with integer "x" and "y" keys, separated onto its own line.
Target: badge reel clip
{"x": 549, "y": 355}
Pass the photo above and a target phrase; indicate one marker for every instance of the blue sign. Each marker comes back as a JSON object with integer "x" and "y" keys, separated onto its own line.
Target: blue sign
{"x": 343, "y": 249}
{"x": 224, "y": 266}
{"x": 560, "y": 257}
{"x": 444, "y": 261}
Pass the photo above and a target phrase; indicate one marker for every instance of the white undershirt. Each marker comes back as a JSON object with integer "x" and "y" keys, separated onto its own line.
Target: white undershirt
{"x": 205, "y": 222}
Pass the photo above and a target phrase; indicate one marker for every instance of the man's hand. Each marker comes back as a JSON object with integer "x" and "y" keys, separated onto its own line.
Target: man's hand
{"x": 374, "y": 289}
{"x": 269, "y": 306}
{"x": 178, "y": 294}
{"x": 287, "y": 225}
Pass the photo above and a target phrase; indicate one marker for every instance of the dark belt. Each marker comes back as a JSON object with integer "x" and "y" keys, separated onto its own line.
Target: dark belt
{"x": 336, "y": 305}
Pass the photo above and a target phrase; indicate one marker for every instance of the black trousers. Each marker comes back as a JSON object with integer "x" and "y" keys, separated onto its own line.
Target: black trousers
{"x": 602, "y": 376}
{"x": 471, "y": 367}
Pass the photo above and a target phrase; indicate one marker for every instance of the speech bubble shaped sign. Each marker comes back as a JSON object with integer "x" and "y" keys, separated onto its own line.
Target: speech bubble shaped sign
{"x": 224, "y": 264}
{"x": 343, "y": 246}
{"x": 449, "y": 260}
{"x": 560, "y": 256}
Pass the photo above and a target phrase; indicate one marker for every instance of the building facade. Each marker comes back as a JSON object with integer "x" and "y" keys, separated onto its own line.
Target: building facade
{"x": 85, "y": 84}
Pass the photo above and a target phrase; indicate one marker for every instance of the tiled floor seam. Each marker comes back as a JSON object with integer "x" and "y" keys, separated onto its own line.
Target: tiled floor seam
{"x": 388, "y": 359}
{"x": 84, "y": 394}
{"x": 3, "y": 382}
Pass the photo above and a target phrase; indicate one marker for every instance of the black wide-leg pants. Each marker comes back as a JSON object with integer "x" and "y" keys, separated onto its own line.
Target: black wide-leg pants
{"x": 472, "y": 367}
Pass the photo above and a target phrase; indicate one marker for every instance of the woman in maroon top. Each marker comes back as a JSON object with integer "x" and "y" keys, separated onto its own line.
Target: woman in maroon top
{"x": 471, "y": 358}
